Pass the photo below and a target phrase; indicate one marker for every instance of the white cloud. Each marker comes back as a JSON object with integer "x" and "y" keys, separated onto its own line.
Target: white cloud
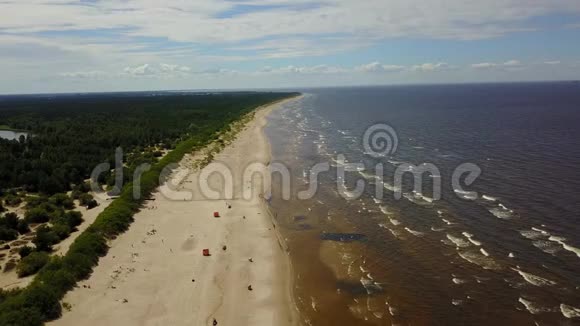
{"x": 95, "y": 74}
{"x": 512, "y": 63}
{"x": 552, "y": 63}
{"x": 507, "y": 65}
{"x": 428, "y": 67}
{"x": 318, "y": 69}
{"x": 378, "y": 67}
{"x": 160, "y": 70}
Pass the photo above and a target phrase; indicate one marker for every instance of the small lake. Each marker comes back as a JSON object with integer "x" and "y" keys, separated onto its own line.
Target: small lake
{"x": 11, "y": 135}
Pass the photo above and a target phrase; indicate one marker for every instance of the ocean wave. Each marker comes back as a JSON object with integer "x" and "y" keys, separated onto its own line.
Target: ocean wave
{"x": 395, "y": 222}
{"x": 569, "y": 311}
{"x": 390, "y": 187}
{"x": 469, "y": 237}
{"x": 475, "y": 257}
{"x": 394, "y": 162}
{"x": 534, "y": 279}
{"x": 447, "y": 221}
{"x": 370, "y": 286}
{"x": 547, "y": 246}
{"x": 532, "y": 307}
{"x": 458, "y": 241}
{"x": 418, "y": 198}
{"x": 459, "y": 281}
{"x": 489, "y": 198}
{"x": 531, "y": 234}
{"x": 566, "y": 246}
{"x": 415, "y": 233}
{"x": 501, "y": 211}
{"x": 483, "y": 252}
{"x": 384, "y": 209}
{"x": 467, "y": 195}
{"x": 397, "y": 234}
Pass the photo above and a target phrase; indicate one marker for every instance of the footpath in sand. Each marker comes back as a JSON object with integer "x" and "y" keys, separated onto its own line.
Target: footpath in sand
{"x": 155, "y": 273}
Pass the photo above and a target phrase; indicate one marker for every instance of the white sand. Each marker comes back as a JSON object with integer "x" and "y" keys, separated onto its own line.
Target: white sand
{"x": 146, "y": 278}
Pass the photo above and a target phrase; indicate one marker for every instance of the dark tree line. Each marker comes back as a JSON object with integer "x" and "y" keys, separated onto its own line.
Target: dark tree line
{"x": 70, "y": 135}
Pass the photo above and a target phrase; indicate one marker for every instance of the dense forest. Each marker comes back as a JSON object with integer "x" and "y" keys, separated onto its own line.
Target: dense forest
{"x": 67, "y": 137}
{"x": 70, "y": 135}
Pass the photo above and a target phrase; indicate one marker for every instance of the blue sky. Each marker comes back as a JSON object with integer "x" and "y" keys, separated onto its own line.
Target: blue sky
{"x": 107, "y": 45}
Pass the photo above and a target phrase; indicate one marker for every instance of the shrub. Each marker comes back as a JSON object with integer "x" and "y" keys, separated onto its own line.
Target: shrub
{"x": 84, "y": 199}
{"x": 37, "y": 215}
{"x": 45, "y": 238}
{"x": 92, "y": 204}
{"x": 22, "y": 227}
{"x": 21, "y": 316}
{"x": 7, "y": 234}
{"x": 72, "y": 219}
{"x": 25, "y": 251}
{"x": 62, "y": 200}
{"x": 61, "y": 230}
{"x": 44, "y": 300}
{"x": 9, "y": 220}
{"x": 32, "y": 263}
{"x": 12, "y": 200}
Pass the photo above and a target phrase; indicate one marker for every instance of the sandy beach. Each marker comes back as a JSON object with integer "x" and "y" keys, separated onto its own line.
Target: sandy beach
{"x": 155, "y": 273}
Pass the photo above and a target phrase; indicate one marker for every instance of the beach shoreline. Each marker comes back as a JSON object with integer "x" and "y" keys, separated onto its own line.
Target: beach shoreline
{"x": 155, "y": 273}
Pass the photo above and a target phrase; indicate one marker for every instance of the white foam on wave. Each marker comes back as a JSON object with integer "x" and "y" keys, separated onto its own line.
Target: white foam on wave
{"x": 532, "y": 307}
{"x": 395, "y": 222}
{"x": 384, "y": 209}
{"x": 377, "y": 201}
{"x": 467, "y": 195}
{"x": 458, "y": 241}
{"x": 394, "y": 162}
{"x": 397, "y": 234}
{"x": 534, "y": 279}
{"x": 501, "y": 211}
{"x": 390, "y": 187}
{"x": 489, "y": 198}
{"x": 566, "y": 246}
{"x": 456, "y": 302}
{"x": 475, "y": 257}
{"x": 483, "y": 252}
{"x": 531, "y": 234}
{"x": 544, "y": 232}
{"x": 418, "y": 198}
{"x": 459, "y": 281}
{"x": 370, "y": 285}
{"x": 435, "y": 229}
{"x": 511, "y": 255}
{"x": 415, "y": 233}
{"x": 469, "y": 237}
{"x": 569, "y": 311}
{"x": 547, "y": 246}
{"x": 447, "y": 221}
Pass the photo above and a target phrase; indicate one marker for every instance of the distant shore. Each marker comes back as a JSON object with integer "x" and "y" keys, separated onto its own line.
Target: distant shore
{"x": 155, "y": 273}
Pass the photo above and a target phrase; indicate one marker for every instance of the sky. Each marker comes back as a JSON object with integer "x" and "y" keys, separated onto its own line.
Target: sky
{"x": 104, "y": 45}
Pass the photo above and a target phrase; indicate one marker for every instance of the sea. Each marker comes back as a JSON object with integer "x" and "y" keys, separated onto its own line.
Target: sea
{"x": 431, "y": 204}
